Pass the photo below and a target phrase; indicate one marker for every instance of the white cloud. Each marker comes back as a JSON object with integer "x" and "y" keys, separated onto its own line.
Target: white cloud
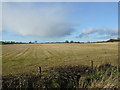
{"x": 29, "y": 19}
{"x": 102, "y": 32}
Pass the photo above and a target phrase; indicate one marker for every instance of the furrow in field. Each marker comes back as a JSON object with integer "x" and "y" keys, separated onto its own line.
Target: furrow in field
{"x": 51, "y": 51}
{"x": 40, "y": 52}
{"x": 6, "y": 50}
{"x": 14, "y": 51}
{"x": 34, "y": 53}
{"x": 46, "y": 52}
{"x": 21, "y": 53}
{"x": 28, "y": 54}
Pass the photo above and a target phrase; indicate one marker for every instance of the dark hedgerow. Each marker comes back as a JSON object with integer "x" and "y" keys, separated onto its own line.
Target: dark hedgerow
{"x": 65, "y": 77}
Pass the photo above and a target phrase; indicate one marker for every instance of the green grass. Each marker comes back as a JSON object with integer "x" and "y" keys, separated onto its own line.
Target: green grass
{"x": 25, "y": 58}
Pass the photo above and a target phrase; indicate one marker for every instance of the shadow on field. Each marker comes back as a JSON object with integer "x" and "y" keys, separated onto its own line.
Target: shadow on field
{"x": 103, "y": 76}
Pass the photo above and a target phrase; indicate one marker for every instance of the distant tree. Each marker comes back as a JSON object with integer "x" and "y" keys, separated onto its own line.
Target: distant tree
{"x": 66, "y": 41}
{"x": 35, "y": 41}
{"x": 12, "y": 42}
{"x": 77, "y": 42}
{"x": 113, "y": 40}
{"x": 71, "y": 42}
{"x": 30, "y": 42}
{"x": 88, "y": 41}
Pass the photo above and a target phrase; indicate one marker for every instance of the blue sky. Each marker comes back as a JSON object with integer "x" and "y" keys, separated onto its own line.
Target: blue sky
{"x": 88, "y": 21}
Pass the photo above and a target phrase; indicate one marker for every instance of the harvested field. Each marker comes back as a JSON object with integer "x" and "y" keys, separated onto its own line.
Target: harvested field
{"x": 25, "y": 58}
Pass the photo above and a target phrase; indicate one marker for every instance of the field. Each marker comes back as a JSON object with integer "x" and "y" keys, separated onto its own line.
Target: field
{"x": 25, "y": 58}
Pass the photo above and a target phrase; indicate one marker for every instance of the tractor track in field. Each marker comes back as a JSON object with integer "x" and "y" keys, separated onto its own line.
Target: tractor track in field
{"x": 35, "y": 50}
{"x": 40, "y": 51}
{"x": 13, "y": 53}
{"x": 47, "y": 52}
{"x": 8, "y": 52}
{"x": 50, "y": 52}
{"x": 21, "y": 53}
{"x": 29, "y": 52}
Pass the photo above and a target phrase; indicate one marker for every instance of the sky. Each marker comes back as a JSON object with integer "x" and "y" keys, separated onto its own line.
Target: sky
{"x": 60, "y": 0}
{"x": 59, "y": 21}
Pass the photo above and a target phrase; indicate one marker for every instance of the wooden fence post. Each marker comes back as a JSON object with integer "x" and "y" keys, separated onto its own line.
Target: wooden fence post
{"x": 92, "y": 64}
{"x": 39, "y": 71}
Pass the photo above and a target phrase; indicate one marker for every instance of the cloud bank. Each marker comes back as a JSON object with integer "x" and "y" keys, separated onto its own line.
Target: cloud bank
{"x": 29, "y": 19}
{"x": 101, "y": 32}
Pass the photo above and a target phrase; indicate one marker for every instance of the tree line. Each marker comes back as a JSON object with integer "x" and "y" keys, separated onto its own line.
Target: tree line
{"x": 67, "y": 41}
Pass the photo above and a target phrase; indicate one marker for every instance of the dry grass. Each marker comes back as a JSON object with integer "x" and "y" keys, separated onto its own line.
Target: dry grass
{"x": 110, "y": 81}
{"x": 25, "y": 58}
{"x": 82, "y": 76}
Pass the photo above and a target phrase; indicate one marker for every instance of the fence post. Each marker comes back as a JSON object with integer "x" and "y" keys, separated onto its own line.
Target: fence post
{"x": 39, "y": 71}
{"x": 92, "y": 64}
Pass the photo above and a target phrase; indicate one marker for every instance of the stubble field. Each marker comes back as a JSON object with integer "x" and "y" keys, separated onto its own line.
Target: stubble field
{"x": 25, "y": 58}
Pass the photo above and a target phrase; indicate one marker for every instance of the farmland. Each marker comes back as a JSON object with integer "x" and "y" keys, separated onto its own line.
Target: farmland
{"x": 25, "y": 58}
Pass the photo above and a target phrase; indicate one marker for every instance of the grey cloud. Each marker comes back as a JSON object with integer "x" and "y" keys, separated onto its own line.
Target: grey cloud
{"x": 42, "y": 22}
{"x": 102, "y": 32}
